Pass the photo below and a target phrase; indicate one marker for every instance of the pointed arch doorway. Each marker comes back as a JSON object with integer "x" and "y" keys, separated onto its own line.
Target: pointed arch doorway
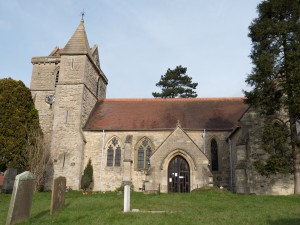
{"x": 178, "y": 175}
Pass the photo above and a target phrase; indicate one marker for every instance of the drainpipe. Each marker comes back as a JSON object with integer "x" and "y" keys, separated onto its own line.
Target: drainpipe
{"x": 101, "y": 162}
{"x": 230, "y": 161}
{"x": 204, "y": 136}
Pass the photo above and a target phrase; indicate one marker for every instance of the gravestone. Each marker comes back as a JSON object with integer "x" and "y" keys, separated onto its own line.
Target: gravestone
{"x": 58, "y": 194}
{"x": 1, "y": 181}
{"x": 21, "y": 199}
{"x": 9, "y": 179}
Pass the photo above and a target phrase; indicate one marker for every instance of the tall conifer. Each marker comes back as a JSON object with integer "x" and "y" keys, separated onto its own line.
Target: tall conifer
{"x": 18, "y": 117}
{"x": 275, "y": 76}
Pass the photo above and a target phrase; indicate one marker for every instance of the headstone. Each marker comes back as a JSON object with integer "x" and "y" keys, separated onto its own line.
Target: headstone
{"x": 58, "y": 194}
{"x": 1, "y": 181}
{"x": 9, "y": 179}
{"x": 21, "y": 199}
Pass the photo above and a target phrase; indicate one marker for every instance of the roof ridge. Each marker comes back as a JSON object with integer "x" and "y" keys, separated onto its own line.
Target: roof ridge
{"x": 171, "y": 99}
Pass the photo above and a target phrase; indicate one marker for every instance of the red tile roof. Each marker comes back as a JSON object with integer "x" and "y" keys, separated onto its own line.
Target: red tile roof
{"x": 159, "y": 114}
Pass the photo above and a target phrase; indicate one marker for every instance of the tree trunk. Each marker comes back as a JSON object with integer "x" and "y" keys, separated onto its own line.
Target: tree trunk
{"x": 296, "y": 154}
{"x": 297, "y": 172}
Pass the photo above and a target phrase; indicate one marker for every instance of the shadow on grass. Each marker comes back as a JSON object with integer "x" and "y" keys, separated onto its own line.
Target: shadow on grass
{"x": 67, "y": 205}
{"x": 41, "y": 214}
{"x": 295, "y": 221}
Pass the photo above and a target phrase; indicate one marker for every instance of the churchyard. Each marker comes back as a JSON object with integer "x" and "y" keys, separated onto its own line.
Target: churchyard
{"x": 208, "y": 207}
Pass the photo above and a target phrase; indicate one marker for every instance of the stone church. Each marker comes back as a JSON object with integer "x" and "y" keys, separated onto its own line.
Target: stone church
{"x": 165, "y": 145}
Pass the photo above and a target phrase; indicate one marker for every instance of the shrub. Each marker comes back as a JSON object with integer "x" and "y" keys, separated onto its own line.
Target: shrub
{"x": 87, "y": 177}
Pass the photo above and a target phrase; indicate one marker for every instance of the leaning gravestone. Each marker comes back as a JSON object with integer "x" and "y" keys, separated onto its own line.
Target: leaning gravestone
{"x": 21, "y": 199}
{"x": 9, "y": 179}
{"x": 1, "y": 181}
{"x": 58, "y": 194}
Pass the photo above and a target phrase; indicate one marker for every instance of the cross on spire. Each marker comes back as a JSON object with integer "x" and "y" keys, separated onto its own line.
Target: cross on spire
{"x": 82, "y": 15}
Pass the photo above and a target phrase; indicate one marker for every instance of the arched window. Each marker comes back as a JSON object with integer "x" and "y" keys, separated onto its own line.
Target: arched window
{"x": 144, "y": 151}
{"x": 114, "y": 152}
{"x": 214, "y": 155}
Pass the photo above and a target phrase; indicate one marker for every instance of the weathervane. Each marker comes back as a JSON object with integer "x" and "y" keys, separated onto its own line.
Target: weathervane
{"x": 82, "y": 14}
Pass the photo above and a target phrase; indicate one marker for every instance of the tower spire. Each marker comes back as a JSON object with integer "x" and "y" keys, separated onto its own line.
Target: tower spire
{"x": 78, "y": 43}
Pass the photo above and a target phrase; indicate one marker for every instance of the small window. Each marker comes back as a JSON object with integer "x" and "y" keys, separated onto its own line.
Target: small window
{"x": 214, "y": 155}
{"x": 114, "y": 153}
{"x": 56, "y": 78}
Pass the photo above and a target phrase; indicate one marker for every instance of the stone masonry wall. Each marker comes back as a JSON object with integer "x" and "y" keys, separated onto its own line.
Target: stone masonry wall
{"x": 91, "y": 78}
{"x": 246, "y": 147}
{"x": 43, "y": 84}
{"x": 110, "y": 178}
{"x": 67, "y": 140}
{"x": 222, "y": 175}
{"x": 43, "y": 77}
{"x": 101, "y": 88}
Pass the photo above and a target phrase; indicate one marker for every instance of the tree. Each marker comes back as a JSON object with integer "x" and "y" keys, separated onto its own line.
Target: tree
{"x": 275, "y": 77}
{"x": 175, "y": 83}
{"x": 18, "y": 116}
{"x": 87, "y": 177}
{"x": 38, "y": 157}
{"x": 274, "y": 143}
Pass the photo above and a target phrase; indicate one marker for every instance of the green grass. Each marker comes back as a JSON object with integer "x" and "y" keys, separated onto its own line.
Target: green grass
{"x": 207, "y": 208}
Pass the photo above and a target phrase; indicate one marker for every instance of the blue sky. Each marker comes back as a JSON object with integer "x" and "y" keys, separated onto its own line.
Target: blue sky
{"x": 138, "y": 40}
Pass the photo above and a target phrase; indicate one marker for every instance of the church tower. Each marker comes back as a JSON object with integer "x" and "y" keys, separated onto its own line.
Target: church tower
{"x": 65, "y": 86}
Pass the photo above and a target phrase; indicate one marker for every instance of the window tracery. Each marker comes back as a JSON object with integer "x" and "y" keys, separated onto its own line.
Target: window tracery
{"x": 144, "y": 152}
{"x": 114, "y": 153}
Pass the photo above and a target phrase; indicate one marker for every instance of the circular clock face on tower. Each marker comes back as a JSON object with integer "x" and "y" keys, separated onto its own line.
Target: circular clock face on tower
{"x": 50, "y": 99}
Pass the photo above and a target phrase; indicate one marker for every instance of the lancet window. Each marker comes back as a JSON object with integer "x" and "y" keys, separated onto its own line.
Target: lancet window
{"x": 214, "y": 155}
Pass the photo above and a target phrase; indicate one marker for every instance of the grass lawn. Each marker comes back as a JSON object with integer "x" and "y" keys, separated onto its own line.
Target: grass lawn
{"x": 207, "y": 208}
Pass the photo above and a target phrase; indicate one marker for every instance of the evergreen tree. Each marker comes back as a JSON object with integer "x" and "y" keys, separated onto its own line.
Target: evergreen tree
{"x": 274, "y": 142}
{"x": 275, "y": 77}
{"x": 87, "y": 177}
{"x": 18, "y": 118}
{"x": 175, "y": 83}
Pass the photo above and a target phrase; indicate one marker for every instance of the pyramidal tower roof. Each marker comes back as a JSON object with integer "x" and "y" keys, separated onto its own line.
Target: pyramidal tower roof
{"x": 78, "y": 43}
